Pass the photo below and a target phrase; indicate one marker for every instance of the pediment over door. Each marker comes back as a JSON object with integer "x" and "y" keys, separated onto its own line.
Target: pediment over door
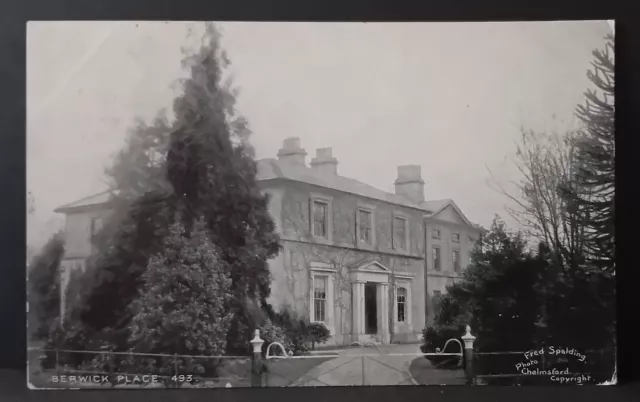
{"x": 372, "y": 271}
{"x": 373, "y": 267}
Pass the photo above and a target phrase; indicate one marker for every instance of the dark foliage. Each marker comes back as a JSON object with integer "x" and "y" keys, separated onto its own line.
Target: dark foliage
{"x": 318, "y": 333}
{"x": 214, "y": 176}
{"x": 594, "y": 197}
{"x": 117, "y": 276}
{"x": 44, "y": 287}
{"x": 434, "y": 338}
{"x": 516, "y": 300}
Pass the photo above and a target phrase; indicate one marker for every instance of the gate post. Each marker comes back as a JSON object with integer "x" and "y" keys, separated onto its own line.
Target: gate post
{"x": 256, "y": 361}
{"x": 468, "y": 356}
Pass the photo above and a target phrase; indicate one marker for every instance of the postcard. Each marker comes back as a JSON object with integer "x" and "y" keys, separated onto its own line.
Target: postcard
{"x": 279, "y": 204}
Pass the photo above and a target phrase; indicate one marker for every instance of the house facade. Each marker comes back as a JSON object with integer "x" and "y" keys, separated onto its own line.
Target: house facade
{"x": 365, "y": 262}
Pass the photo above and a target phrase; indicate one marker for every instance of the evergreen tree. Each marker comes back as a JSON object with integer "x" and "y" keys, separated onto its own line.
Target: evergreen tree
{"x": 181, "y": 308}
{"x": 116, "y": 275}
{"x": 497, "y": 291}
{"x": 201, "y": 165}
{"x": 140, "y": 166}
{"x": 213, "y": 174}
{"x": 595, "y": 170}
{"x": 43, "y": 287}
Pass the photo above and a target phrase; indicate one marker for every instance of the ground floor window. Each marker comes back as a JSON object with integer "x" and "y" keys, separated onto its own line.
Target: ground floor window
{"x": 320, "y": 298}
{"x": 402, "y": 304}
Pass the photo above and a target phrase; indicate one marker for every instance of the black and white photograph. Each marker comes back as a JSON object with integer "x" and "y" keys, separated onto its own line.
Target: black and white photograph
{"x": 302, "y": 204}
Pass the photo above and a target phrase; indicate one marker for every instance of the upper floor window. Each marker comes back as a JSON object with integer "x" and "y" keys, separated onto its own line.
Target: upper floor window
{"x": 435, "y": 234}
{"x": 320, "y": 298}
{"x": 436, "y": 259}
{"x": 402, "y": 304}
{"x": 365, "y": 226}
{"x": 96, "y": 225}
{"x": 456, "y": 237}
{"x": 400, "y": 233}
{"x": 456, "y": 260}
{"x": 320, "y": 219}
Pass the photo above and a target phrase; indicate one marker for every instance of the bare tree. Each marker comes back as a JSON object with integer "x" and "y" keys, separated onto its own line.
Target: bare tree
{"x": 546, "y": 162}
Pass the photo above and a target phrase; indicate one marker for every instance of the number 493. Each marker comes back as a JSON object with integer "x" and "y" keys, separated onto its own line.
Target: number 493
{"x": 182, "y": 378}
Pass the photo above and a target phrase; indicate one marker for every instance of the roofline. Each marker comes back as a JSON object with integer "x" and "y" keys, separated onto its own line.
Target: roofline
{"x": 408, "y": 205}
{"x": 451, "y": 203}
{"x": 79, "y": 208}
{"x": 69, "y": 206}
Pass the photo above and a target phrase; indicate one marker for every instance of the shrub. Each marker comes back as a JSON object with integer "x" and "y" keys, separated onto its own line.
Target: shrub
{"x": 435, "y": 337}
{"x": 296, "y": 330}
{"x": 73, "y": 336}
{"x": 270, "y": 332}
{"x": 318, "y": 333}
{"x": 43, "y": 288}
{"x": 296, "y": 333}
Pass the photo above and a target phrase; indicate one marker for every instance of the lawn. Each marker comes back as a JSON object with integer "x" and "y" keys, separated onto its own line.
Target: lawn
{"x": 425, "y": 373}
{"x": 284, "y": 372}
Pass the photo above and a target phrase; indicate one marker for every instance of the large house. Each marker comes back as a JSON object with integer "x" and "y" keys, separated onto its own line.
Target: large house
{"x": 365, "y": 262}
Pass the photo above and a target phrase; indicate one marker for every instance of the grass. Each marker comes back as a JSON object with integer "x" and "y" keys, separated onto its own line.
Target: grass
{"x": 424, "y": 372}
{"x": 284, "y": 372}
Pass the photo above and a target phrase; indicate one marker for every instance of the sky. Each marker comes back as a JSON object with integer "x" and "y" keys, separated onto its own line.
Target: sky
{"x": 450, "y": 97}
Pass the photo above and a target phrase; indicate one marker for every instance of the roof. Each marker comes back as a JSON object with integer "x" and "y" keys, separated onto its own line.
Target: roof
{"x": 437, "y": 206}
{"x": 96, "y": 199}
{"x": 270, "y": 169}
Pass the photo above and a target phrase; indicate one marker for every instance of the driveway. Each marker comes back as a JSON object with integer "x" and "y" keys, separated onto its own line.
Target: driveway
{"x": 382, "y": 365}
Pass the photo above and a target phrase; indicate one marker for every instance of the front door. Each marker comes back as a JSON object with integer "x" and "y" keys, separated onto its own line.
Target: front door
{"x": 370, "y": 308}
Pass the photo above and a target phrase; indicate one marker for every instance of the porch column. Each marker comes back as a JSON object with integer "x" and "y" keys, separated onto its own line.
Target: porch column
{"x": 409, "y": 305}
{"x": 357, "y": 307}
{"x": 384, "y": 298}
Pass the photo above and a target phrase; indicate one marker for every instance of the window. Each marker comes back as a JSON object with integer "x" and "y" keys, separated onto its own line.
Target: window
{"x": 436, "y": 258}
{"x": 96, "y": 225}
{"x": 321, "y": 219}
{"x": 402, "y": 304}
{"x": 435, "y": 234}
{"x": 456, "y": 260}
{"x": 435, "y": 301}
{"x": 456, "y": 237}
{"x": 365, "y": 226}
{"x": 319, "y": 298}
{"x": 399, "y": 233}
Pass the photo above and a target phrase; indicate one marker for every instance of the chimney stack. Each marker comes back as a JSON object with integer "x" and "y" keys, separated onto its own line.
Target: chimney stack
{"x": 409, "y": 183}
{"x": 291, "y": 152}
{"x": 325, "y": 161}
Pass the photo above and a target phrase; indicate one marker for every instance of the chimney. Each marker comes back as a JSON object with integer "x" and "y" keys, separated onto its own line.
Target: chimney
{"x": 291, "y": 152}
{"x": 410, "y": 184}
{"x": 325, "y": 162}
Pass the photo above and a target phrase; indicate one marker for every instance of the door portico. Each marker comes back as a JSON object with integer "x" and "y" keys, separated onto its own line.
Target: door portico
{"x": 375, "y": 274}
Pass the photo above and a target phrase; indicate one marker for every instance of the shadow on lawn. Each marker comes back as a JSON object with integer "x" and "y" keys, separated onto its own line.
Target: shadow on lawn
{"x": 425, "y": 373}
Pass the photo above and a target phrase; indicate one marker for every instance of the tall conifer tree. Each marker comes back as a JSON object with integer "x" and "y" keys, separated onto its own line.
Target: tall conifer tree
{"x": 213, "y": 174}
{"x": 595, "y": 170}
